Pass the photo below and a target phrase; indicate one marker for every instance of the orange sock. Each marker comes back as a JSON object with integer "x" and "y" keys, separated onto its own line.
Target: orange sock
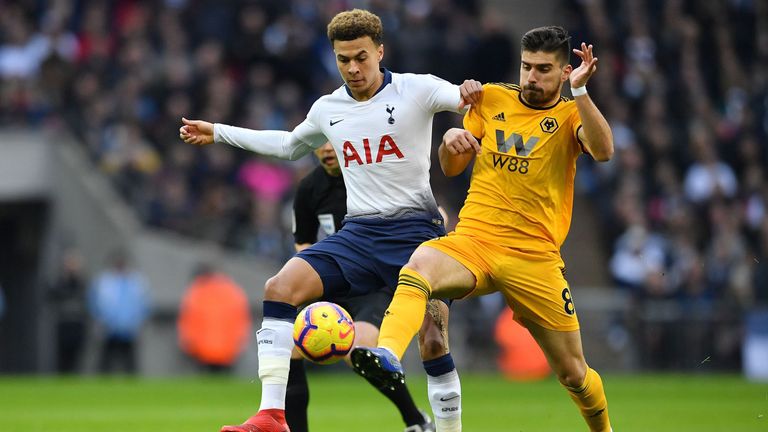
{"x": 590, "y": 398}
{"x": 406, "y": 312}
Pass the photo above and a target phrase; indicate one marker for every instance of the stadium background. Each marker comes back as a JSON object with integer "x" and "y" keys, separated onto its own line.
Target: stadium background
{"x": 668, "y": 273}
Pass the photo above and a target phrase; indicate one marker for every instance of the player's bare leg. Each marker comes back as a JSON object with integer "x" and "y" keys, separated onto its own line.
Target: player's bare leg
{"x": 443, "y": 385}
{"x": 566, "y": 357}
{"x": 296, "y": 283}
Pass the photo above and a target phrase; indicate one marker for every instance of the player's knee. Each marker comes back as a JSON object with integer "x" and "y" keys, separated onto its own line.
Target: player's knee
{"x": 572, "y": 376}
{"x": 418, "y": 261}
{"x": 414, "y": 265}
{"x": 276, "y": 289}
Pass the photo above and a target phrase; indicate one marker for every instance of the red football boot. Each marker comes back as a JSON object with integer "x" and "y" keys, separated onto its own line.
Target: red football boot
{"x": 268, "y": 420}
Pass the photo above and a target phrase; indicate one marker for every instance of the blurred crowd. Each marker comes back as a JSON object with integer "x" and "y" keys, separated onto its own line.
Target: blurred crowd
{"x": 684, "y": 202}
{"x": 683, "y": 205}
{"x": 121, "y": 74}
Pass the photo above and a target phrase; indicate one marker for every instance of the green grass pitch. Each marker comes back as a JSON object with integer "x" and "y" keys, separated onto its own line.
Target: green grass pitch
{"x": 343, "y": 402}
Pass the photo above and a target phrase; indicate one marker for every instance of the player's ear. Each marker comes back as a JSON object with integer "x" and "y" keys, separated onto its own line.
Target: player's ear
{"x": 380, "y": 52}
{"x": 566, "y": 72}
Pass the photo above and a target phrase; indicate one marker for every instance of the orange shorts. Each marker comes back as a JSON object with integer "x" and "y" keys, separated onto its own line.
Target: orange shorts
{"x": 532, "y": 283}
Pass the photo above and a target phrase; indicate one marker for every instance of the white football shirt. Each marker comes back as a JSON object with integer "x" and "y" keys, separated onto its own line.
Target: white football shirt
{"x": 383, "y": 144}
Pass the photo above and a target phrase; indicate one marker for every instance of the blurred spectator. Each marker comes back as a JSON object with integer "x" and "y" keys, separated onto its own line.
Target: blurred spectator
{"x": 639, "y": 265}
{"x": 494, "y": 55}
{"x": 521, "y": 358}
{"x": 214, "y": 322}
{"x": 756, "y": 346}
{"x": 268, "y": 182}
{"x": 638, "y": 262}
{"x": 23, "y": 49}
{"x": 119, "y": 301}
{"x": 708, "y": 177}
{"x": 68, "y": 297}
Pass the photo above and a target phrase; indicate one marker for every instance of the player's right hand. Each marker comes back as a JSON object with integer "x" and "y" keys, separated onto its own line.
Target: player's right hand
{"x": 459, "y": 141}
{"x": 471, "y": 93}
{"x": 196, "y": 132}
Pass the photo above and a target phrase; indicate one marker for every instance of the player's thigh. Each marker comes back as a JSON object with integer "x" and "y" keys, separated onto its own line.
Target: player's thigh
{"x": 296, "y": 283}
{"x": 563, "y": 350}
{"x": 534, "y": 286}
{"x": 448, "y": 277}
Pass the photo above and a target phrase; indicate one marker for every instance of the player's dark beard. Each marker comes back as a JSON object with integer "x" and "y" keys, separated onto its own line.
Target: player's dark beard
{"x": 536, "y": 96}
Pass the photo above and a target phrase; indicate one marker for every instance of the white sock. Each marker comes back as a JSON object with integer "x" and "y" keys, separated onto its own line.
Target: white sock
{"x": 275, "y": 342}
{"x": 445, "y": 398}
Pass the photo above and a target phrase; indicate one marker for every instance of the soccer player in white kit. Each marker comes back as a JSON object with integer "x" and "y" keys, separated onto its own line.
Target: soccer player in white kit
{"x": 380, "y": 125}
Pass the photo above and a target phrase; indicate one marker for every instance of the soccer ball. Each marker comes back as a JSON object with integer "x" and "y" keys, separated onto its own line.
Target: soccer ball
{"x": 323, "y": 332}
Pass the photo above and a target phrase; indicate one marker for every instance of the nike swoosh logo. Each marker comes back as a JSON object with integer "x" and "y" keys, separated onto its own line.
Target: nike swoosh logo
{"x": 334, "y": 122}
{"x": 445, "y": 399}
{"x": 342, "y": 334}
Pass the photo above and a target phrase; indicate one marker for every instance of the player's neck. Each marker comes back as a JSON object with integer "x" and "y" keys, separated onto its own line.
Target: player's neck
{"x": 548, "y": 103}
{"x": 370, "y": 91}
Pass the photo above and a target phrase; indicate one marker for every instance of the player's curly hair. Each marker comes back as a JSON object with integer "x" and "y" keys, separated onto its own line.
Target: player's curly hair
{"x": 549, "y": 39}
{"x": 356, "y": 23}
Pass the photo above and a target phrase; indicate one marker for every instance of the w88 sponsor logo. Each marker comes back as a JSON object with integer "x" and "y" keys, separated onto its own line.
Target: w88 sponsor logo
{"x": 510, "y": 163}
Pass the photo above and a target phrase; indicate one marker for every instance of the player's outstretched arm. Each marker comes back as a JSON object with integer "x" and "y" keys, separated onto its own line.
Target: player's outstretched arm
{"x": 280, "y": 144}
{"x": 595, "y": 132}
{"x": 457, "y": 150}
{"x": 196, "y": 132}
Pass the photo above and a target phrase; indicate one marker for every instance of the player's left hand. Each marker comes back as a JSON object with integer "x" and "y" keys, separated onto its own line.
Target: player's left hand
{"x": 458, "y": 141}
{"x": 588, "y": 66}
{"x": 471, "y": 93}
{"x": 196, "y": 132}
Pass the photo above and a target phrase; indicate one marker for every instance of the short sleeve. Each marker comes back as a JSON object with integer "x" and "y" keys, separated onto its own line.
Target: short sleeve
{"x": 474, "y": 118}
{"x": 575, "y": 123}
{"x": 473, "y": 122}
{"x": 435, "y": 94}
